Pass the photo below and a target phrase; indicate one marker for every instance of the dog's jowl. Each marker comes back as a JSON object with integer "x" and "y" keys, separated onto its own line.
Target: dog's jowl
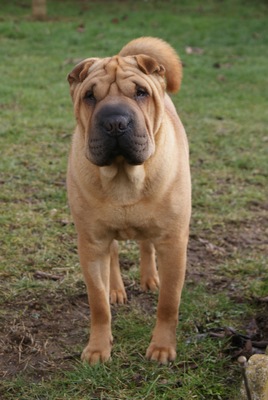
{"x": 129, "y": 178}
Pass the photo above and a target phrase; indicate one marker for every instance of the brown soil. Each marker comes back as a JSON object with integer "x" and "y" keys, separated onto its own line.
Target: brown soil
{"x": 40, "y": 334}
{"x": 214, "y": 247}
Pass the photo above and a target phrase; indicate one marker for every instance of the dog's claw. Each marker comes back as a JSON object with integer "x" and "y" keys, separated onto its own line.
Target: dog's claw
{"x": 161, "y": 354}
{"x": 94, "y": 356}
{"x": 151, "y": 283}
{"x": 118, "y": 297}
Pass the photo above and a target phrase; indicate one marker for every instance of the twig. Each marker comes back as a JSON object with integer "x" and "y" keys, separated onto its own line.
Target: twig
{"x": 45, "y": 275}
{"x": 243, "y": 362}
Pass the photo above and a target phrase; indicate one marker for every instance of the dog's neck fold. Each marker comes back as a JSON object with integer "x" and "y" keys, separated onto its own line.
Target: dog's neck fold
{"x": 124, "y": 182}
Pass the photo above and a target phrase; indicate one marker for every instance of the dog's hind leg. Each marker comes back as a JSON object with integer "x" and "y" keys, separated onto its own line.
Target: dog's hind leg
{"x": 149, "y": 274}
{"x": 117, "y": 289}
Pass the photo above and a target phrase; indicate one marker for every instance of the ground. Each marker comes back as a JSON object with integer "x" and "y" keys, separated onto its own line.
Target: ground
{"x": 40, "y": 333}
{"x": 44, "y": 316}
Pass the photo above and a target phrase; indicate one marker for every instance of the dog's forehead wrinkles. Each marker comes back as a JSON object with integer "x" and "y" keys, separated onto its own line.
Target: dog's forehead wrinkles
{"x": 116, "y": 68}
{"x": 108, "y": 77}
{"x": 110, "y": 67}
{"x": 116, "y": 65}
{"x": 97, "y": 64}
{"x": 105, "y": 70}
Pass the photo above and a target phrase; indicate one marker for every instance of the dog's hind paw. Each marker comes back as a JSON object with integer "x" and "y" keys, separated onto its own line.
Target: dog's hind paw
{"x": 150, "y": 283}
{"x": 118, "y": 296}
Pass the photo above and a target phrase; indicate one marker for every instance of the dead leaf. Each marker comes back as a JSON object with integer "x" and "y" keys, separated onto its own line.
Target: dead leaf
{"x": 212, "y": 248}
{"x": 81, "y": 28}
{"x": 221, "y": 78}
{"x": 194, "y": 50}
{"x": 222, "y": 65}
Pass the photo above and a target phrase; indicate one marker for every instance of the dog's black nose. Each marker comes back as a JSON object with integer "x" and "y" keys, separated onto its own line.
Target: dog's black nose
{"x": 116, "y": 125}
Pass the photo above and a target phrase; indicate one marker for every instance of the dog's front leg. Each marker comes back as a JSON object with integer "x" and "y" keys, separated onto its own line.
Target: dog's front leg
{"x": 171, "y": 256}
{"x": 95, "y": 262}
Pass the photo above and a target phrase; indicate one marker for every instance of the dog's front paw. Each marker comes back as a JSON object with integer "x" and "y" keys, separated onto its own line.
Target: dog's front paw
{"x": 161, "y": 354}
{"x": 94, "y": 354}
{"x": 118, "y": 296}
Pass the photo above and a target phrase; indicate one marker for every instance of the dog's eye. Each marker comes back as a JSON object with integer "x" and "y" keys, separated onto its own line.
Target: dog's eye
{"x": 89, "y": 96}
{"x": 141, "y": 93}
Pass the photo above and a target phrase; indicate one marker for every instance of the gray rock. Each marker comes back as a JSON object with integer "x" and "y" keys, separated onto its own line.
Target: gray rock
{"x": 257, "y": 376}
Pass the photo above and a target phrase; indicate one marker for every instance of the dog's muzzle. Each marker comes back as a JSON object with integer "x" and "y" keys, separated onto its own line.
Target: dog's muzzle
{"x": 118, "y": 131}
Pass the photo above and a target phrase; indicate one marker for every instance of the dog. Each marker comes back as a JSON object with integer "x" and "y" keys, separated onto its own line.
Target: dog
{"x": 129, "y": 178}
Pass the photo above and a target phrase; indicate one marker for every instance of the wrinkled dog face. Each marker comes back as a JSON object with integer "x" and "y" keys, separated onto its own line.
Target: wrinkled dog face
{"x": 113, "y": 98}
{"x": 117, "y": 130}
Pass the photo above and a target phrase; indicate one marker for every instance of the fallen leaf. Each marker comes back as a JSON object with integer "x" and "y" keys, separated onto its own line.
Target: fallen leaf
{"x": 81, "y": 28}
{"x": 221, "y": 78}
{"x": 193, "y": 50}
{"x": 222, "y": 65}
{"x": 212, "y": 248}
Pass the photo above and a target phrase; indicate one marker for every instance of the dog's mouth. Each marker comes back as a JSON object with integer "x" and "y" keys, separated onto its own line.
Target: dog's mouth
{"x": 131, "y": 146}
{"x": 117, "y": 132}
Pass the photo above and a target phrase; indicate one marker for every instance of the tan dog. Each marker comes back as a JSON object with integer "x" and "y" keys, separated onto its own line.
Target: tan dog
{"x": 129, "y": 178}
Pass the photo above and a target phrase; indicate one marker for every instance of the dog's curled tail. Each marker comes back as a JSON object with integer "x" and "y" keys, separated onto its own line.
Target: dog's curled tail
{"x": 163, "y": 53}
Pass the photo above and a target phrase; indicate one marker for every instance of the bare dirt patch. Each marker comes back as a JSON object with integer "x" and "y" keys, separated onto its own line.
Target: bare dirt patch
{"x": 40, "y": 332}
{"x": 207, "y": 251}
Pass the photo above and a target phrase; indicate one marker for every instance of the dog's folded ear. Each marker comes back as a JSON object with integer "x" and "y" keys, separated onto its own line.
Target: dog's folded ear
{"x": 80, "y": 71}
{"x": 149, "y": 65}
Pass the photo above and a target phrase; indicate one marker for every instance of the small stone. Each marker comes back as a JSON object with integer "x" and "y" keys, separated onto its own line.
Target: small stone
{"x": 53, "y": 212}
{"x": 242, "y": 360}
{"x": 257, "y": 376}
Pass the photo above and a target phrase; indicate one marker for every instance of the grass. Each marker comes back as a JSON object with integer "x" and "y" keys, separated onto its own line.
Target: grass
{"x": 223, "y": 105}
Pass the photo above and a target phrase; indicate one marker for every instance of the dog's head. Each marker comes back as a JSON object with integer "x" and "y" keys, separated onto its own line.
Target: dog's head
{"x": 118, "y": 101}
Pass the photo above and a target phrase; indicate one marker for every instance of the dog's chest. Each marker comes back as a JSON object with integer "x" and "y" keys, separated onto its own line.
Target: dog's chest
{"x": 133, "y": 224}
{"x": 130, "y": 212}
